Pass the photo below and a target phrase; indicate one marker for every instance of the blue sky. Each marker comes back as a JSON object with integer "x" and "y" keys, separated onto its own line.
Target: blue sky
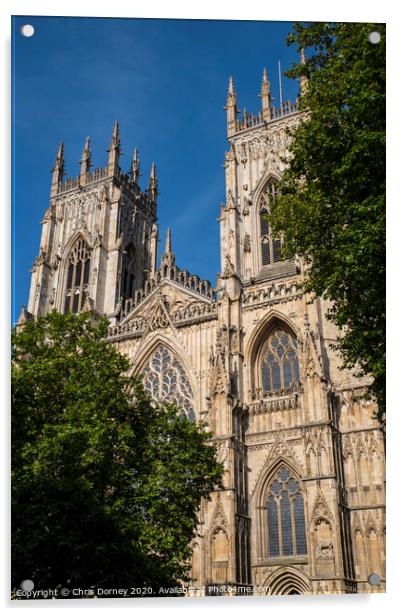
{"x": 166, "y": 83}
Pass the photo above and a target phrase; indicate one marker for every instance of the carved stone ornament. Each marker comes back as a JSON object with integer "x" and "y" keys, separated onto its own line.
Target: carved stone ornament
{"x": 159, "y": 319}
{"x": 231, "y": 204}
{"x": 229, "y": 269}
{"x": 247, "y": 243}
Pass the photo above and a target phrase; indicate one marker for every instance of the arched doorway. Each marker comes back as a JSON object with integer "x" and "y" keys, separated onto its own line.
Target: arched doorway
{"x": 287, "y": 581}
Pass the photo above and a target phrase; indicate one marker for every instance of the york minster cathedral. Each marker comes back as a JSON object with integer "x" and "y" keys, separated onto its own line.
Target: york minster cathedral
{"x": 302, "y": 509}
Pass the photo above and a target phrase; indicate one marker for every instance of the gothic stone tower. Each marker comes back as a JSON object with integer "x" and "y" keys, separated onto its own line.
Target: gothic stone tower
{"x": 302, "y": 504}
{"x": 98, "y": 238}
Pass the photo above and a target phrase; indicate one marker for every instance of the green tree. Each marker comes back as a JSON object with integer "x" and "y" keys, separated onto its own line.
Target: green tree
{"x": 105, "y": 484}
{"x": 332, "y": 204}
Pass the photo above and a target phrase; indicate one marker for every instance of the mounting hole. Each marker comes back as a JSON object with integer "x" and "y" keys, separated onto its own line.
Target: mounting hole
{"x": 374, "y": 579}
{"x": 374, "y": 38}
{"x": 27, "y": 30}
{"x": 27, "y": 585}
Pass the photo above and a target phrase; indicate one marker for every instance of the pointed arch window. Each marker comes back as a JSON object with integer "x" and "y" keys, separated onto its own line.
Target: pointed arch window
{"x": 279, "y": 362}
{"x": 77, "y": 284}
{"x": 128, "y": 282}
{"x": 166, "y": 381}
{"x": 285, "y": 516}
{"x": 271, "y": 245}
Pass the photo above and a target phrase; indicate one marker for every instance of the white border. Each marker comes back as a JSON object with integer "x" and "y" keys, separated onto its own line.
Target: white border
{"x": 341, "y": 10}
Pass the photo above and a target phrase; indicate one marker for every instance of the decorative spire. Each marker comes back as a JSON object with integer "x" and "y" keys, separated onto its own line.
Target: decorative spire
{"x": 153, "y": 183}
{"x": 115, "y": 142}
{"x": 244, "y": 117}
{"x": 265, "y": 96}
{"x": 85, "y": 162}
{"x": 59, "y": 162}
{"x": 303, "y": 79}
{"x": 231, "y": 100}
{"x": 168, "y": 258}
{"x": 114, "y": 149}
{"x": 168, "y": 242}
{"x": 231, "y": 109}
{"x": 86, "y": 152}
{"x": 135, "y": 167}
{"x": 265, "y": 85}
{"x": 154, "y": 248}
{"x": 58, "y": 170}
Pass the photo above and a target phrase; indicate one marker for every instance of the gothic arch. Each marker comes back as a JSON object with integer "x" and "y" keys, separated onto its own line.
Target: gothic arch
{"x": 79, "y": 234}
{"x": 177, "y": 354}
{"x": 258, "y": 336}
{"x": 268, "y": 474}
{"x": 267, "y": 176}
{"x": 287, "y": 581}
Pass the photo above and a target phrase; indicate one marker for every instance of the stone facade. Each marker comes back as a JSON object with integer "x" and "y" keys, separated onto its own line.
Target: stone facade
{"x": 302, "y": 509}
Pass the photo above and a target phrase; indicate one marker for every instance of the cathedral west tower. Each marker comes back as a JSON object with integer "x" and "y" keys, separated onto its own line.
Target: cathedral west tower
{"x": 99, "y": 236}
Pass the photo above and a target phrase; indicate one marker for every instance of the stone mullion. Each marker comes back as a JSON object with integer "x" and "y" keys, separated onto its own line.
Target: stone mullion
{"x": 262, "y": 542}
{"x": 279, "y": 508}
{"x": 80, "y": 299}
{"x": 293, "y": 520}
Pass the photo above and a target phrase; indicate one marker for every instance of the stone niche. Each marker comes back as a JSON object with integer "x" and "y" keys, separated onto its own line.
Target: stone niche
{"x": 219, "y": 556}
{"x": 323, "y": 548}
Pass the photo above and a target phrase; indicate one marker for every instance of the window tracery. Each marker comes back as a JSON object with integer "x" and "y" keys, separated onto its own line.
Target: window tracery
{"x": 279, "y": 363}
{"x": 285, "y": 516}
{"x": 166, "y": 381}
{"x": 77, "y": 284}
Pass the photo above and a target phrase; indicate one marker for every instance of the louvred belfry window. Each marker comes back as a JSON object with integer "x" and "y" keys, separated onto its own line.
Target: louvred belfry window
{"x": 78, "y": 268}
{"x": 128, "y": 283}
{"x": 271, "y": 245}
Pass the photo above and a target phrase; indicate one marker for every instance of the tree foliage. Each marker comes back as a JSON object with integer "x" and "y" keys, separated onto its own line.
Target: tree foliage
{"x": 105, "y": 484}
{"x": 332, "y": 204}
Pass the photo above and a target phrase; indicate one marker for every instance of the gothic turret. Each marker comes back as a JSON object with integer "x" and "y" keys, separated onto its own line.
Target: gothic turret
{"x": 135, "y": 167}
{"x": 153, "y": 184}
{"x": 231, "y": 109}
{"x": 85, "y": 162}
{"x": 265, "y": 96}
{"x": 114, "y": 150}
{"x": 58, "y": 170}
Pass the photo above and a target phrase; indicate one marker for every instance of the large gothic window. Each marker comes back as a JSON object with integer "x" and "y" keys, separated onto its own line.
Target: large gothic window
{"x": 77, "y": 286}
{"x": 285, "y": 516}
{"x": 166, "y": 381}
{"x": 271, "y": 245}
{"x": 279, "y": 364}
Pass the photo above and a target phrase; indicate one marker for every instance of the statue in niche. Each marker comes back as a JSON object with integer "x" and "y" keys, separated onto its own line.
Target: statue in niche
{"x": 247, "y": 243}
{"x": 323, "y": 539}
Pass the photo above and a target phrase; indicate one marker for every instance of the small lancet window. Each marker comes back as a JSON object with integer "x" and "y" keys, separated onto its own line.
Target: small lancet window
{"x": 77, "y": 286}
